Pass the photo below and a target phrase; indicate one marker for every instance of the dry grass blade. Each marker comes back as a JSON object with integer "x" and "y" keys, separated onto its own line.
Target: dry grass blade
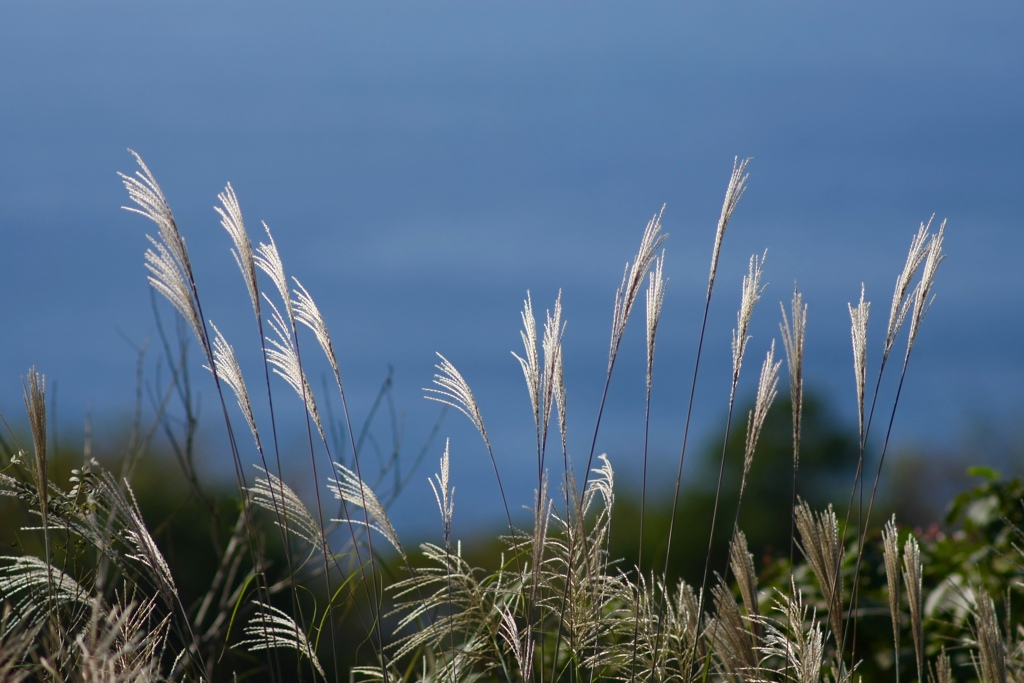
{"x": 271, "y": 627}
{"x": 737, "y": 186}
{"x": 232, "y": 221}
{"x": 351, "y": 489}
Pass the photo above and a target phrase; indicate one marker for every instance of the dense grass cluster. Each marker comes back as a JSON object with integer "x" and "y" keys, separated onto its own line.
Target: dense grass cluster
{"x": 93, "y": 598}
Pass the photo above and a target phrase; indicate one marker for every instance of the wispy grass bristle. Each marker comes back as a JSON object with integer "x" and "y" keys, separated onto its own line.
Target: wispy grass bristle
{"x": 271, "y": 627}
{"x": 270, "y": 493}
{"x": 733, "y": 192}
{"x": 351, "y": 489}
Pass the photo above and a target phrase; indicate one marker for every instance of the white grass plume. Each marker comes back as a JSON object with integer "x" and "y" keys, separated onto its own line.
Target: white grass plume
{"x": 632, "y": 279}
{"x": 891, "y": 558}
{"x": 655, "y": 300}
{"x": 444, "y": 493}
{"x": 737, "y": 186}
{"x": 283, "y": 356}
{"x": 766, "y": 393}
{"x": 26, "y": 583}
{"x": 913, "y": 580}
{"x": 752, "y": 290}
{"x": 351, "y": 489}
{"x": 793, "y": 335}
{"x": 820, "y": 543}
{"x": 226, "y": 364}
{"x": 923, "y": 296}
{"x": 232, "y": 221}
{"x": 454, "y": 391}
{"x": 900, "y": 302}
{"x": 270, "y": 493}
{"x": 531, "y": 362}
{"x": 268, "y": 259}
{"x": 169, "y": 266}
{"x": 270, "y": 627}
{"x": 146, "y": 550}
{"x": 859, "y": 337}
{"x": 307, "y": 313}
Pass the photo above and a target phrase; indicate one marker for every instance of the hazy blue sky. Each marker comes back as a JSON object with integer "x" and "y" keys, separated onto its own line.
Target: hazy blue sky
{"x": 423, "y": 164}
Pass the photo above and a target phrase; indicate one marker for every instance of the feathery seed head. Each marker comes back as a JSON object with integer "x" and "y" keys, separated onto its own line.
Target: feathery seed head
{"x": 268, "y": 259}
{"x": 553, "y": 385}
{"x": 767, "y": 390}
{"x": 655, "y": 299}
{"x": 859, "y": 335}
{"x": 923, "y": 295}
{"x": 530, "y": 364}
{"x": 307, "y": 313}
{"x": 632, "y": 279}
{"x": 900, "y": 303}
{"x": 351, "y": 489}
{"x": 793, "y": 342}
{"x": 444, "y": 494}
{"x": 231, "y": 219}
{"x": 454, "y": 391}
{"x": 752, "y": 290}
{"x": 228, "y": 370}
{"x": 737, "y": 186}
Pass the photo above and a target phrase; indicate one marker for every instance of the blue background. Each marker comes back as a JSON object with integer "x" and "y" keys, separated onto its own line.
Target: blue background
{"x": 423, "y": 165}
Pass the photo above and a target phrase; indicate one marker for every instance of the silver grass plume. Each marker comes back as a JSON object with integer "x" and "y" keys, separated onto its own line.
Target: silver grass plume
{"x": 268, "y": 259}
{"x": 923, "y": 296}
{"x": 170, "y": 271}
{"x": 270, "y": 493}
{"x": 859, "y": 336}
{"x": 283, "y": 356}
{"x": 891, "y": 555}
{"x": 232, "y": 221}
{"x": 913, "y": 581}
{"x": 553, "y": 385}
{"x": 900, "y": 303}
{"x": 632, "y": 279}
{"x": 444, "y": 493}
{"x": 146, "y": 550}
{"x": 752, "y": 291}
{"x": 742, "y": 563}
{"x": 307, "y": 313}
{"x": 942, "y": 670}
{"x": 351, "y": 489}
{"x": 454, "y": 391}
{"x": 800, "y": 646}
{"x": 227, "y": 368}
{"x": 737, "y": 186}
{"x": 991, "y": 664}
{"x": 531, "y": 362}
{"x": 32, "y": 587}
{"x": 766, "y": 393}
{"x": 820, "y": 544}
{"x": 655, "y": 299}
{"x": 271, "y": 627}
{"x": 734, "y": 644}
{"x": 521, "y": 644}
{"x": 34, "y": 389}
{"x": 793, "y": 335}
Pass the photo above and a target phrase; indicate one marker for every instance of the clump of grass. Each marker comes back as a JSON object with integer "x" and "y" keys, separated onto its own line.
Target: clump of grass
{"x": 557, "y": 608}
